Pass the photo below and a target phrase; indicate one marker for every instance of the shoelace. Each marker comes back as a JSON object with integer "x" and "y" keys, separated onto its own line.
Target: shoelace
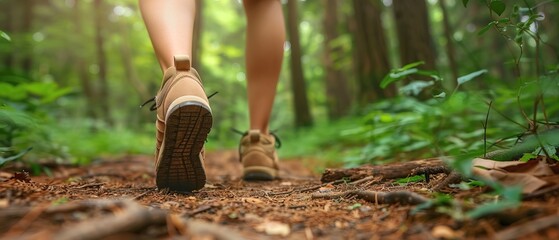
{"x": 154, "y": 106}
{"x": 278, "y": 141}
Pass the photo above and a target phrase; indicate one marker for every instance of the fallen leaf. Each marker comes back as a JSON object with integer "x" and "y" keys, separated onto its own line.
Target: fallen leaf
{"x": 443, "y": 232}
{"x": 508, "y": 173}
{"x": 286, "y": 183}
{"x": 273, "y": 228}
{"x": 533, "y": 167}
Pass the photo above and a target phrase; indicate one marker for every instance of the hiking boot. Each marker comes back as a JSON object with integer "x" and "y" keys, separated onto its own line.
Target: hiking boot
{"x": 184, "y": 119}
{"x": 258, "y": 155}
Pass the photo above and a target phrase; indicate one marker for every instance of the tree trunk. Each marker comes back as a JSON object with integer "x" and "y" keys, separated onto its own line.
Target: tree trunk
{"x": 338, "y": 98}
{"x": 7, "y": 25}
{"x": 81, "y": 66}
{"x": 27, "y": 17}
{"x": 103, "y": 93}
{"x": 450, "y": 52}
{"x": 414, "y": 35}
{"x": 370, "y": 51}
{"x": 301, "y": 105}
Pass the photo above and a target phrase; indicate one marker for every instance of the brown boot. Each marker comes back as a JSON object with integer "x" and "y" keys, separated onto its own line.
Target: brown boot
{"x": 184, "y": 119}
{"x": 258, "y": 155}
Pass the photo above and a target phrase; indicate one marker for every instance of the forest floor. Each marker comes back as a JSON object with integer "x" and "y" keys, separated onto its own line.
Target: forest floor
{"x": 116, "y": 199}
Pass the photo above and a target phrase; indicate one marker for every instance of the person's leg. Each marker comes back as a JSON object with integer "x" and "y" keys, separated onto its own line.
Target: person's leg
{"x": 170, "y": 25}
{"x": 264, "y": 55}
{"x": 184, "y": 116}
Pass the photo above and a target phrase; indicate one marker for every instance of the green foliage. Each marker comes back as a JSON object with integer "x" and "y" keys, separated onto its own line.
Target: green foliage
{"x": 405, "y": 181}
{"x": 407, "y": 128}
{"x": 400, "y": 73}
{"x": 497, "y": 6}
{"x": 463, "y": 210}
{"x": 463, "y": 79}
{"x": 511, "y": 198}
{"x": 5, "y": 36}
{"x": 4, "y": 160}
{"x": 85, "y": 144}
{"x": 25, "y": 112}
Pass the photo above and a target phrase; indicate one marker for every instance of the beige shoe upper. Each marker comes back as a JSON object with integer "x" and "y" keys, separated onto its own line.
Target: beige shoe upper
{"x": 258, "y": 153}
{"x": 178, "y": 81}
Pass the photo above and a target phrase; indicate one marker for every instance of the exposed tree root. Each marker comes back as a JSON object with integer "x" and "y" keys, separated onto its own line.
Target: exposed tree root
{"x": 127, "y": 217}
{"x": 400, "y": 197}
{"x": 388, "y": 171}
{"x": 131, "y": 217}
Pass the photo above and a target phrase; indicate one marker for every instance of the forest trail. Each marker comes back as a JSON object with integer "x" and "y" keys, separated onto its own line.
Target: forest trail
{"x": 117, "y": 199}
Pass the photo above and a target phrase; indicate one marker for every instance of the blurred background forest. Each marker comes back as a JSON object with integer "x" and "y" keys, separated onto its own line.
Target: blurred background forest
{"x": 363, "y": 81}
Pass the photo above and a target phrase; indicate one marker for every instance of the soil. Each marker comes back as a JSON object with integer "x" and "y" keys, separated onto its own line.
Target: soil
{"x": 99, "y": 201}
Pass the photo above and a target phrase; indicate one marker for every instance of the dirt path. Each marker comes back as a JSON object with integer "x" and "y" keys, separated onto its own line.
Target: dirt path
{"x": 229, "y": 208}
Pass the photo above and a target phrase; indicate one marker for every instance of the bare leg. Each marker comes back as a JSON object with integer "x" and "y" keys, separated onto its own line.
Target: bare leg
{"x": 264, "y": 55}
{"x": 170, "y": 24}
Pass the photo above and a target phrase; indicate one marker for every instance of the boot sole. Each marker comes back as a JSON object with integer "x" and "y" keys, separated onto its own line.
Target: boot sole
{"x": 258, "y": 173}
{"x": 180, "y": 168}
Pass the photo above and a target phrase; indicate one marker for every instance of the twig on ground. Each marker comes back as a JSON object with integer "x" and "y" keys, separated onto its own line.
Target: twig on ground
{"x": 431, "y": 170}
{"x": 306, "y": 189}
{"x": 281, "y": 193}
{"x": 24, "y": 222}
{"x": 132, "y": 217}
{"x": 453, "y": 177}
{"x": 519, "y": 231}
{"x": 89, "y": 185}
{"x": 401, "y": 197}
{"x": 141, "y": 195}
{"x": 200, "y": 209}
{"x": 367, "y": 179}
{"x": 92, "y": 175}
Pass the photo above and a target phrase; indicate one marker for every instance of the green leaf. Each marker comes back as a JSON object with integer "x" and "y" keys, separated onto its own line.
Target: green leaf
{"x": 504, "y": 20}
{"x": 354, "y": 206}
{"x": 416, "y": 178}
{"x": 476, "y": 183}
{"x": 511, "y": 199}
{"x": 470, "y": 76}
{"x": 5, "y": 36}
{"x": 395, "y": 76}
{"x": 14, "y": 157}
{"x": 465, "y": 2}
{"x": 440, "y": 95}
{"x": 489, "y": 208}
{"x": 486, "y": 28}
{"x": 497, "y": 6}
{"x": 412, "y": 65}
{"x": 526, "y": 157}
{"x": 398, "y": 74}
{"x": 415, "y": 87}
{"x": 401, "y": 74}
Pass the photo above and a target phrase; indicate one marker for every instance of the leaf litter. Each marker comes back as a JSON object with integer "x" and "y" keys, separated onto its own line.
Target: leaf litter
{"x": 80, "y": 201}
